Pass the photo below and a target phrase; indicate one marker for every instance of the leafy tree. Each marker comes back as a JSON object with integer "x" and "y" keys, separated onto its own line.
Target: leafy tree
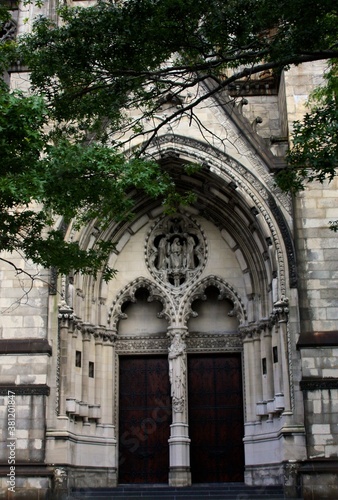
{"x": 90, "y": 69}
{"x": 139, "y": 53}
{"x": 77, "y": 180}
{"x": 314, "y": 156}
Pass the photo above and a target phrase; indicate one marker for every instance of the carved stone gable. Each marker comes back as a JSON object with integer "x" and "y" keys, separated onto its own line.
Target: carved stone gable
{"x": 176, "y": 251}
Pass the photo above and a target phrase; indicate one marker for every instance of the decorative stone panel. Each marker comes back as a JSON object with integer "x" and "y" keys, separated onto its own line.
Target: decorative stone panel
{"x": 176, "y": 251}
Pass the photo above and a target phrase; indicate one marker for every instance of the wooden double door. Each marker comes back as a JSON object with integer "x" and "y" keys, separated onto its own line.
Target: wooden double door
{"x": 215, "y": 405}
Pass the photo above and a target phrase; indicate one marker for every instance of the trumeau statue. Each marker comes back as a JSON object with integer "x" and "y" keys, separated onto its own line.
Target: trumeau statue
{"x": 176, "y": 250}
{"x": 177, "y": 372}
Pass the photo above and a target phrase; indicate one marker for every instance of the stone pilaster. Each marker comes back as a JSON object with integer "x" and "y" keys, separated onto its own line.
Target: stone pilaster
{"x": 87, "y": 330}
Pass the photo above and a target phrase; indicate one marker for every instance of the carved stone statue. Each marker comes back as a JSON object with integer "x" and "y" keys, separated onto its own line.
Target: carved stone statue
{"x": 190, "y": 252}
{"x": 162, "y": 262}
{"x": 176, "y": 254}
{"x": 177, "y": 372}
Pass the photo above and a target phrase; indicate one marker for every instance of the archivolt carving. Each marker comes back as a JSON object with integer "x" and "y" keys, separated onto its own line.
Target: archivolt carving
{"x": 230, "y": 169}
{"x": 226, "y": 291}
{"x": 128, "y": 294}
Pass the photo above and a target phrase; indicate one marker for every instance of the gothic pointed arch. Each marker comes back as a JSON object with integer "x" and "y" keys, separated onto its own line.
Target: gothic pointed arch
{"x": 243, "y": 187}
{"x": 129, "y": 295}
{"x": 225, "y": 291}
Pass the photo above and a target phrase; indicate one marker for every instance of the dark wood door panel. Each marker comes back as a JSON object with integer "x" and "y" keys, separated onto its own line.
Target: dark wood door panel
{"x": 144, "y": 420}
{"x": 216, "y": 418}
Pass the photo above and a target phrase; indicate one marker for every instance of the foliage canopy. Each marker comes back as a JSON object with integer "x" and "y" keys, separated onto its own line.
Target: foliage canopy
{"x": 90, "y": 66}
{"x": 103, "y": 60}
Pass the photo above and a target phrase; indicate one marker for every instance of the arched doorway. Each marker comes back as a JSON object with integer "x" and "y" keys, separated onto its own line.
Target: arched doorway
{"x": 164, "y": 427}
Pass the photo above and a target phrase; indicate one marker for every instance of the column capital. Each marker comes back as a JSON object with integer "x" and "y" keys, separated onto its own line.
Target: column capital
{"x": 87, "y": 329}
{"x": 174, "y": 331}
{"x": 251, "y": 332}
{"x": 281, "y": 309}
{"x": 65, "y": 315}
{"x": 109, "y": 336}
{"x": 98, "y": 333}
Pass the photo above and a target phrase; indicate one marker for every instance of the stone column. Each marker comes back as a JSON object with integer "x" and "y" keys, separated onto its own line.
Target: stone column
{"x": 65, "y": 319}
{"x": 269, "y": 367}
{"x": 104, "y": 393}
{"x": 281, "y": 308}
{"x": 257, "y": 375}
{"x": 108, "y": 371}
{"x": 179, "y": 442}
{"x": 248, "y": 353}
{"x": 86, "y": 336}
{"x": 99, "y": 377}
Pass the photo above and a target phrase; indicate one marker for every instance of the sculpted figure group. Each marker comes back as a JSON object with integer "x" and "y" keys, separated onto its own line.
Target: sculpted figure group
{"x": 177, "y": 253}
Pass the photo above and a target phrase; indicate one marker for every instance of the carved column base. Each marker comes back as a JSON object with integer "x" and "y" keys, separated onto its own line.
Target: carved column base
{"x": 179, "y": 476}
{"x": 179, "y": 455}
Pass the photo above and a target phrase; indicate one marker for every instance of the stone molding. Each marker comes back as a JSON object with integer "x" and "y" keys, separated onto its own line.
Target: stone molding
{"x": 318, "y": 384}
{"x": 196, "y": 342}
{"x": 25, "y": 346}
{"x": 318, "y": 339}
{"x": 227, "y": 342}
{"x": 226, "y": 291}
{"x": 25, "y": 390}
{"x": 156, "y": 292}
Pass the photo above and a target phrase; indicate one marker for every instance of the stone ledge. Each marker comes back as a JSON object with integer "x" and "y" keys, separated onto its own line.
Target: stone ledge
{"x": 28, "y": 469}
{"x": 319, "y": 466}
{"x": 25, "y": 390}
{"x": 318, "y": 339}
{"x": 315, "y": 384}
{"x": 25, "y": 346}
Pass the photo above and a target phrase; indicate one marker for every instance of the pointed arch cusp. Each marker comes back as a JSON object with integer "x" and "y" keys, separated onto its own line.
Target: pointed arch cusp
{"x": 226, "y": 291}
{"x": 129, "y": 294}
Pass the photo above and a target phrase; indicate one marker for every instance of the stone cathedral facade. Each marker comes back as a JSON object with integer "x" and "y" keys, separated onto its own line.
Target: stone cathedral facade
{"x": 212, "y": 356}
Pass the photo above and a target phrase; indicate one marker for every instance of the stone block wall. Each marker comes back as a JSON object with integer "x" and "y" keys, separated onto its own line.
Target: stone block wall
{"x": 28, "y": 429}
{"x": 320, "y": 388}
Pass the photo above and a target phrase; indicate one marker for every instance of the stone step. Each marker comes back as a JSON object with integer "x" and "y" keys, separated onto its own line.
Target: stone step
{"x": 229, "y": 491}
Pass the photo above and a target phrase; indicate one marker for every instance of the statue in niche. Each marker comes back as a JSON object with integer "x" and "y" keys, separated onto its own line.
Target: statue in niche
{"x": 177, "y": 372}
{"x": 189, "y": 252}
{"x": 176, "y": 251}
{"x": 162, "y": 254}
{"x": 176, "y": 255}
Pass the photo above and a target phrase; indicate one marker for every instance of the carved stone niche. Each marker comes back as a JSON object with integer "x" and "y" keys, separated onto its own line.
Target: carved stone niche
{"x": 176, "y": 251}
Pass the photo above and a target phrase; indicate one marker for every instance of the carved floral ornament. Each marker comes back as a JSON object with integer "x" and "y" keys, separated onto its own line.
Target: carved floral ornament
{"x": 176, "y": 251}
